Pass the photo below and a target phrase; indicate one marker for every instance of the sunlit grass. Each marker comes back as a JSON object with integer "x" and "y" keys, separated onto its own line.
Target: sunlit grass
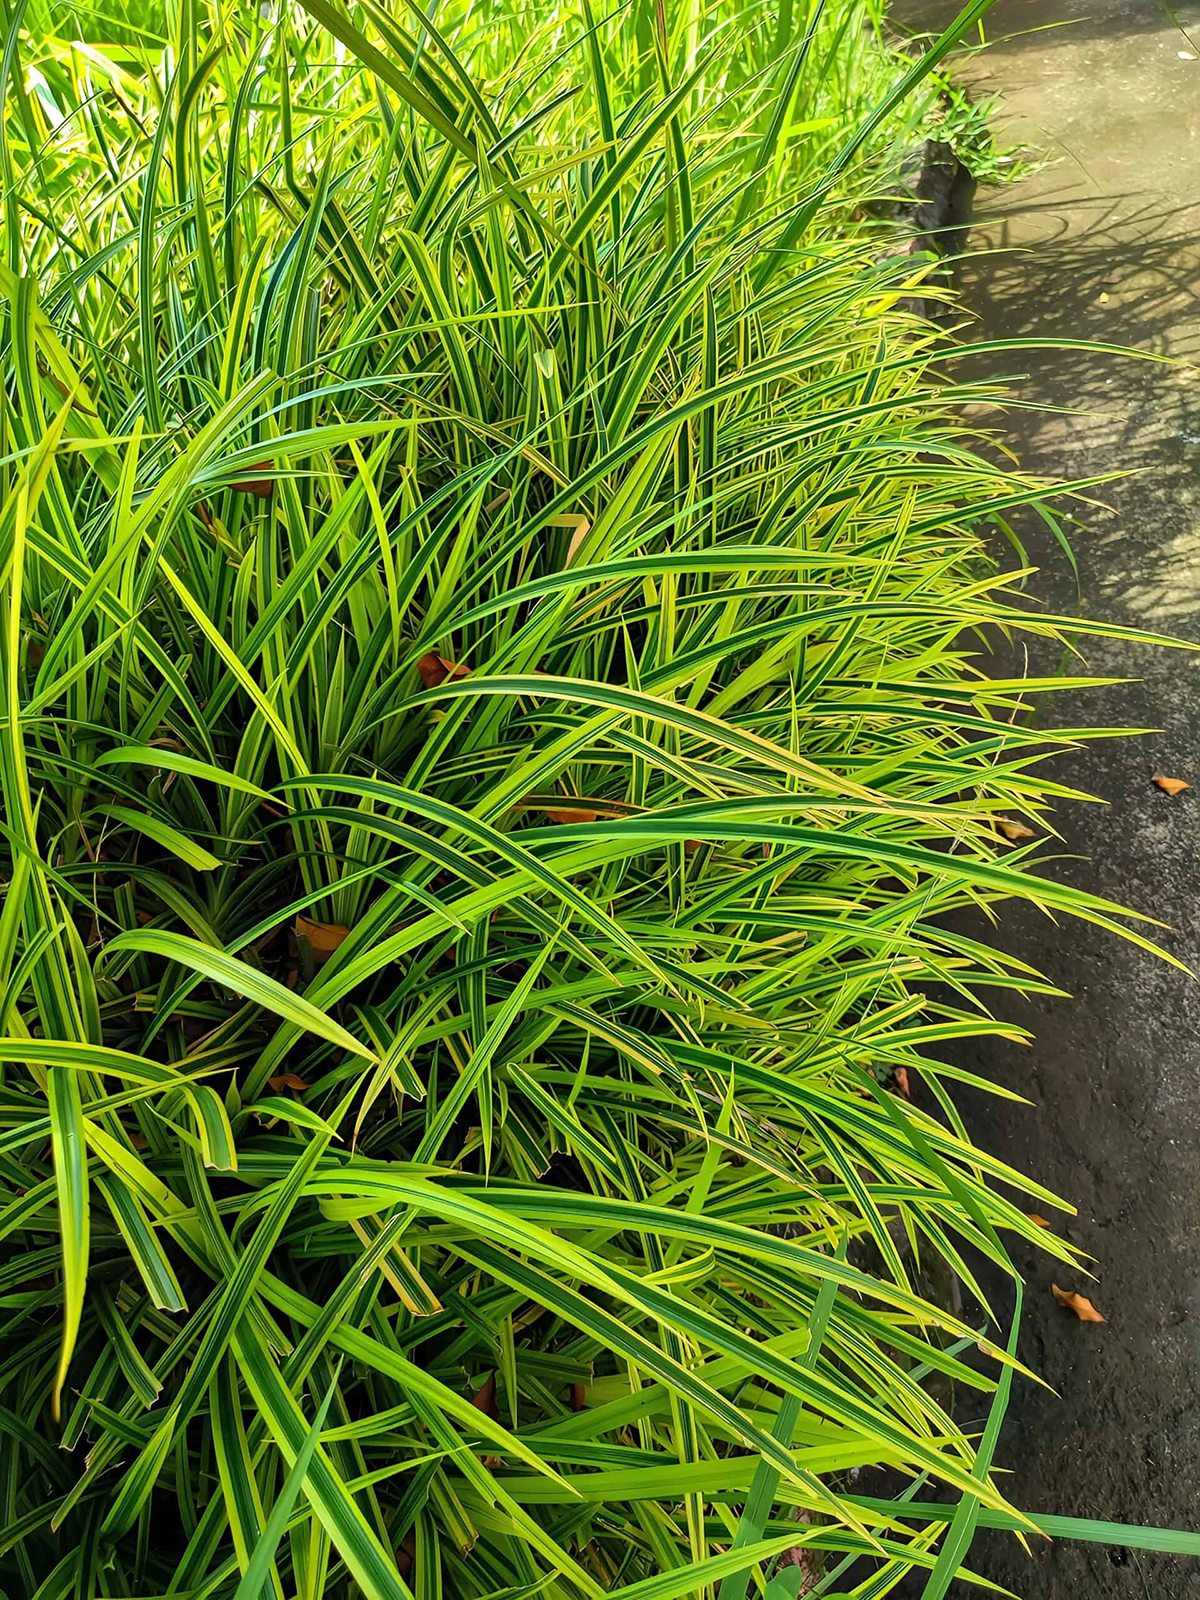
{"x": 495, "y": 613}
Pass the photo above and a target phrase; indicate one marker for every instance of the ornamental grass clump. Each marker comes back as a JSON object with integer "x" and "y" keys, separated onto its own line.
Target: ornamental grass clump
{"x": 494, "y": 601}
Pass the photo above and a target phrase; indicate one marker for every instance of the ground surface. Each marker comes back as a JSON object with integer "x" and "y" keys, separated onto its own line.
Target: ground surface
{"x": 1105, "y": 244}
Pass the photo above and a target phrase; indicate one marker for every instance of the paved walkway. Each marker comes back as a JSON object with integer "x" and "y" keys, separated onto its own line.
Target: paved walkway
{"x": 1105, "y": 244}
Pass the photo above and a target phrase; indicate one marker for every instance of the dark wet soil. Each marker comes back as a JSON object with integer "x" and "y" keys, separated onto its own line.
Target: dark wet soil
{"x": 1105, "y": 245}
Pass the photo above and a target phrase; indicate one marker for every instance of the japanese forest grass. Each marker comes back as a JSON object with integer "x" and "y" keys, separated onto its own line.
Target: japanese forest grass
{"x": 495, "y": 613}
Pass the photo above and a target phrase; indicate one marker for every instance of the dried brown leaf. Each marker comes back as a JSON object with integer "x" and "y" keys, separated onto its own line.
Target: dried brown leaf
{"x": 1072, "y": 1300}
{"x": 1036, "y": 1217}
{"x": 286, "y": 1080}
{"x": 580, "y": 527}
{"x": 484, "y": 1399}
{"x": 1170, "y": 785}
{"x": 901, "y": 1078}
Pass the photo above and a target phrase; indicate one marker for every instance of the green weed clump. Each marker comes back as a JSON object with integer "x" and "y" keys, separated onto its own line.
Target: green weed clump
{"x": 493, "y": 603}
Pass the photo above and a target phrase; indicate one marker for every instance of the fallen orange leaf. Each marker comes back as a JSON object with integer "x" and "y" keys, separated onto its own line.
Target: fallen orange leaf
{"x": 1035, "y": 1217}
{"x": 406, "y": 1555}
{"x": 901, "y": 1077}
{"x": 435, "y": 669}
{"x": 323, "y": 938}
{"x": 1078, "y": 1303}
{"x": 264, "y": 488}
{"x": 1014, "y": 830}
{"x": 572, "y": 808}
{"x": 1170, "y": 785}
{"x": 286, "y": 1080}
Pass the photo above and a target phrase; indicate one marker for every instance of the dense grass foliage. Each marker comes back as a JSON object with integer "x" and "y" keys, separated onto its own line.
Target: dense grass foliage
{"x": 494, "y": 611}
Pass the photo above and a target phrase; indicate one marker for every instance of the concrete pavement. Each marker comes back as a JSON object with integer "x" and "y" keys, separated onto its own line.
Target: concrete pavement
{"x": 1105, "y": 244}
